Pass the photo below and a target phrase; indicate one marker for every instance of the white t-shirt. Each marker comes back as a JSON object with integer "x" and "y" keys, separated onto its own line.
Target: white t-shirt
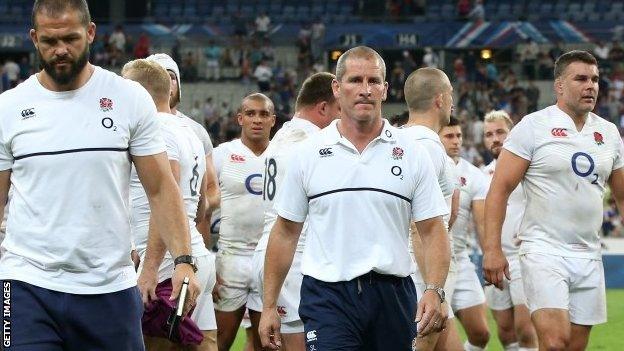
{"x": 239, "y": 172}
{"x": 473, "y": 187}
{"x": 263, "y": 73}
{"x": 69, "y": 151}
{"x": 262, "y": 23}
{"x": 278, "y": 156}
{"x": 184, "y": 147}
{"x": 513, "y": 218}
{"x": 200, "y": 131}
{"x": 565, "y": 181}
{"x": 359, "y": 206}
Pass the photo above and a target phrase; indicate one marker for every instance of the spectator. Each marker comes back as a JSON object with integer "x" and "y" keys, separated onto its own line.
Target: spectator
{"x": 408, "y": 63}
{"x": 459, "y": 69}
{"x": 267, "y": 50}
{"x": 196, "y": 112}
{"x": 397, "y": 80}
{"x": 12, "y": 70}
{"x": 142, "y": 47}
{"x": 263, "y": 22}
{"x": 213, "y": 55}
{"x": 430, "y": 59}
{"x": 209, "y": 112}
{"x": 463, "y": 8}
{"x": 601, "y": 51}
{"x": 477, "y": 14}
{"x": 189, "y": 67}
{"x": 545, "y": 66}
{"x": 528, "y": 58}
{"x": 316, "y": 40}
{"x": 263, "y": 75}
{"x": 117, "y": 45}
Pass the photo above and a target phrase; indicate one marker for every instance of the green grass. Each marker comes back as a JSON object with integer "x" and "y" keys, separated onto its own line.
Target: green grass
{"x": 603, "y": 337}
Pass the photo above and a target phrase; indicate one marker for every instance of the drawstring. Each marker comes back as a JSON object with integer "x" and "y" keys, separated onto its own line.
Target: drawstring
{"x": 359, "y": 282}
{"x": 359, "y": 286}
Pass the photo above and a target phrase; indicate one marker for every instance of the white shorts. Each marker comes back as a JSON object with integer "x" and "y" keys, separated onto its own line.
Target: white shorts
{"x": 236, "y": 287}
{"x": 468, "y": 290}
{"x": 289, "y": 297}
{"x": 573, "y": 284}
{"x": 449, "y": 288}
{"x": 204, "y": 314}
{"x": 513, "y": 289}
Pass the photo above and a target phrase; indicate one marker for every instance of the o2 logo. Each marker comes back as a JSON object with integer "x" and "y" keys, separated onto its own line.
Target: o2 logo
{"x": 254, "y": 184}
{"x": 583, "y": 166}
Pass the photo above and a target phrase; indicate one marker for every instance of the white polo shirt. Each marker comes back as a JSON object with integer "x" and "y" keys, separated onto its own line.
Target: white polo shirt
{"x": 515, "y": 211}
{"x": 184, "y": 147}
{"x": 69, "y": 153}
{"x": 240, "y": 172}
{"x": 278, "y": 154}
{"x": 565, "y": 181}
{"x": 473, "y": 187}
{"x": 359, "y": 206}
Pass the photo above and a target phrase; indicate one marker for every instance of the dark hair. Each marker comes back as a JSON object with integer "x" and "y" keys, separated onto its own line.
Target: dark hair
{"x": 453, "y": 122}
{"x": 316, "y": 88}
{"x": 57, "y": 7}
{"x": 573, "y": 56}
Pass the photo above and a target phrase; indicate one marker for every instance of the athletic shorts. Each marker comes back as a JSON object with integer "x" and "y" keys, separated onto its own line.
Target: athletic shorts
{"x": 39, "y": 319}
{"x": 468, "y": 290}
{"x": 513, "y": 289}
{"x": 203, "y": 315}
{"x": 372, "y": 312}
{"x": 573, "y": 284}
{"x": 289, "y": 297}
{"x": 449, "y": 288}
{"x": 236, "y": 286}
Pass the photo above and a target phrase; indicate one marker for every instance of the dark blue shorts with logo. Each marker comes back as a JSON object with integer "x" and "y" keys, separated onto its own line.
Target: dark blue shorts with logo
{"x": 373, "y": 312}
{"x": 38, "y": 319}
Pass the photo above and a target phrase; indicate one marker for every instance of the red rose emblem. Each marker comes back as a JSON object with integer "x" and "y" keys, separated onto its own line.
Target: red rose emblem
{"x": 462, "y": 180}
{"x": 106, "y": 104}
{"x": 598, "y": 138}
{"x": 397, "y": 153}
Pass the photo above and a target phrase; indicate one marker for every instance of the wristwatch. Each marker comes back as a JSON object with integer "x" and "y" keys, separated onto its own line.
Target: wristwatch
{"x": 437, "y": 289}
{"x": 188, "y": 259}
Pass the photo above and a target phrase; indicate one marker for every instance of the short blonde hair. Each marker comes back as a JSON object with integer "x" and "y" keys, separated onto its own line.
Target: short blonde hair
{"x": 152, "y": 76}
{"x": 498, "y": 115}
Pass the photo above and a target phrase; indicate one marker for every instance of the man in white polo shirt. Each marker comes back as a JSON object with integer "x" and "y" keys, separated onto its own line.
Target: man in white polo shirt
{"x": 508, "y": 305}
{"x": 315, "y": 108}
{"x": 68, "y": 137}
{"x": 429, "y": 98}
{"x": 210, "y": 189}
{"x": 468, "y": 301}
{"x": 361, "y": 183}
{"x": 565, "y": 156}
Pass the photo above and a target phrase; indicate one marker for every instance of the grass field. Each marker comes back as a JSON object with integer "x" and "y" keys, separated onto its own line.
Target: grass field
{"x": 603, "y": 337}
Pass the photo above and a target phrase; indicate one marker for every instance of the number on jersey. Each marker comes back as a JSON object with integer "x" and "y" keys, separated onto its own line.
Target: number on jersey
{"x": 270, "y": 171}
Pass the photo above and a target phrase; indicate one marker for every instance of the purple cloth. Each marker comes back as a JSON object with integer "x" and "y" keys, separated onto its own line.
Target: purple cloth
{"x": 157, "y": 312}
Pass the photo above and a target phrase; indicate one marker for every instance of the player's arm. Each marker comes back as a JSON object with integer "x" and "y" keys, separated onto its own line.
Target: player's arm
{"x": 454, "y": 208}
{"x": 279, "y": 256}
{"x": 5, "y": 184}
{"x": 616, "y": 183}
{"x": 436, "y": 257}
{"x": 510, "y": 169}
{"x": 213, "y": 194}
{"x": 202, "y": 219}
{"x": 167, "y": 210}
{"x": 478, "y": 217}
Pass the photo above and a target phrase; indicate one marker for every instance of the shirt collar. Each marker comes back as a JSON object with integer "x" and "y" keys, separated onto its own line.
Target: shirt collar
{"x": 388, "y": 133}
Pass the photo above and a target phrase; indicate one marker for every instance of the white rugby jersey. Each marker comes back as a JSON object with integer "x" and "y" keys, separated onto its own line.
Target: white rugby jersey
{"x": 70, "y": 158}
{"x": 359, "y": 206}
{"x": 240, "y": 172}
{"x": 199, "y": 130}
{"x": 184, "y": 147}
{"x": 473, "y": 186}
{"x": 513, "y": 218}
{"x": 565, "y": 181}
{"x": 277, "y": 159}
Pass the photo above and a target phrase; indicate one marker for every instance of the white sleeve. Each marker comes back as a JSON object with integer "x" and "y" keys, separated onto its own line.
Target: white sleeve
{"x": 292, "y": 199}
{"x": 521, "y": 140}
{"x": 171, "y": 142}
{"x": 217, "y": 159}
{"x": 619, "y": 156}
{"x": 6, "y": 154}
{"x": 145, "y": 135}
{"x": 427, "y": 199}
{"x": 481, "y": 184}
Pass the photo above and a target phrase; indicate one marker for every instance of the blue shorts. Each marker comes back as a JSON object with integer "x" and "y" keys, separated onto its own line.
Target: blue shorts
{"x": 38, "y": 319}
{"x": 371, "y": 312}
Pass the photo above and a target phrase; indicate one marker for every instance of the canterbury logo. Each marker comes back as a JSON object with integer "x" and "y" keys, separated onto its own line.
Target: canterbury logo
{"x": 28, "y": 113}
{"x": 559, "y": 132}
{"x": 237, "y": 158}
{"x": 326, "y": 152}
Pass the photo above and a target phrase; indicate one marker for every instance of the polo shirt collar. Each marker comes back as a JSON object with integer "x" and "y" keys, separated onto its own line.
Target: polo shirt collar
{"x": 387, "y": 134}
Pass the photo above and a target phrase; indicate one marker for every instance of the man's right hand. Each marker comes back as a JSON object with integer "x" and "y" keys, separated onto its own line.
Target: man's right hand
{"x": 148, "y": 279}
{"x": 269, "y": 329}
{"x": 495, "y": 267}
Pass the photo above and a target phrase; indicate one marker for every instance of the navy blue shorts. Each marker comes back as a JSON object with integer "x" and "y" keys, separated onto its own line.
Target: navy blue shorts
{"x": 38, "y": 319}
{"x": 371, "y": 312}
